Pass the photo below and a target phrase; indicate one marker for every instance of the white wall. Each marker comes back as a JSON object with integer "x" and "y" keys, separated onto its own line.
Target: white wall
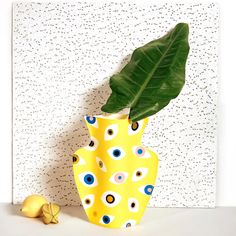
{"x": 226, "y": 174}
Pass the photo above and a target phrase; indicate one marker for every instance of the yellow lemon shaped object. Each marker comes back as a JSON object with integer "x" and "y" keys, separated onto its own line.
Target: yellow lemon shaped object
{"x": 50, "y": 213}
{"x": 115, "y": 174}
{"x": 32, "y": 205}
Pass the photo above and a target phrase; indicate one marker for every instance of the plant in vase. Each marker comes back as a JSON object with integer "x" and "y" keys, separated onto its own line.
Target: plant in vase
{"x": 115, "y": 174}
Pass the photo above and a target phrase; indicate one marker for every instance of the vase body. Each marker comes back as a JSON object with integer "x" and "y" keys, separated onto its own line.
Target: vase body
{"x": 115, "y": 174}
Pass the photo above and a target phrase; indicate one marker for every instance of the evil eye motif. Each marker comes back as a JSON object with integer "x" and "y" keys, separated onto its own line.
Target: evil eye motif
{"x": 111, "y": 132}
{"x": 139, "y": 174}
{"x": 119, "y": 177}
{"x": 116, "y": 153}
{"x": 92, "y": 121}
{"x": 106, "y": 219}
{"x": 129, "y": 223}
{"x": 92, "y": 145}
{"x": 78, "y": 160}
{"x": 101, "y": 164}
{"x": 147, "y": 189}
{"x": 88, "y": 201}
{"x": 133, "y": 204}
{"x": 110, "y": 198}
{"x": 140, "y": 152}
{"x": 135, "y": 127}
{"x": 88, "y": 179}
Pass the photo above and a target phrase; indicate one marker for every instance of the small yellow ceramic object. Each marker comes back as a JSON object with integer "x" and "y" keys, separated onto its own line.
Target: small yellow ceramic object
{"x": 50, "y": 213}
{"x": 32, "y": 205}
{"x": 115, "y": 174}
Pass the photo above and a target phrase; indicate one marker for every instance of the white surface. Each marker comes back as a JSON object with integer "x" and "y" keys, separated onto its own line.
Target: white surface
{"x": 62, "y": 58}
{"x": 226, "y": 192}
{"x": 156, "y": 221}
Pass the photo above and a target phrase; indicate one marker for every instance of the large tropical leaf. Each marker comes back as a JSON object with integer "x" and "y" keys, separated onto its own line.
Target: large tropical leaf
{"x": 154, "y": 76}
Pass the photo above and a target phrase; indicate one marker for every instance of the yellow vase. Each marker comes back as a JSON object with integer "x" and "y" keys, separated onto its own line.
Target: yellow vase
{"x": 114, "y": 174}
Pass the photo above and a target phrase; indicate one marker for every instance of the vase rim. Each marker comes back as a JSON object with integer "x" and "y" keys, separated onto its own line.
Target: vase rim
{"x": 113, "y": 116}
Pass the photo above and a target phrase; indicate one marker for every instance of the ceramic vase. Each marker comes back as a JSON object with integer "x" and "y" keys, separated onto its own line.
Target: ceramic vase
{"x": 115, "y": 174}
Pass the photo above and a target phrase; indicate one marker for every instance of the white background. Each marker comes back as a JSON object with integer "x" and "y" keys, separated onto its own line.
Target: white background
{"x": 226, "y": 174}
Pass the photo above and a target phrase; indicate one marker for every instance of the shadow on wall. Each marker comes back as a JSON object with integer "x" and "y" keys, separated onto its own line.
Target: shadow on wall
{"x": 59, "y": 185}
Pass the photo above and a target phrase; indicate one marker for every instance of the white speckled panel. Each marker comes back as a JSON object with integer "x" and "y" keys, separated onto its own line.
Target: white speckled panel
{"x": 63, "y": 55}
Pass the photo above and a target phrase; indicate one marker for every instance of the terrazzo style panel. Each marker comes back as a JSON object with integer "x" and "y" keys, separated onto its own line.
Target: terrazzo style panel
{"x": 63, "y": 56}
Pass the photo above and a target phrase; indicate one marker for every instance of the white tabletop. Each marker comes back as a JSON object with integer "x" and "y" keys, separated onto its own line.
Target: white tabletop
{"x": 156, "y": 221}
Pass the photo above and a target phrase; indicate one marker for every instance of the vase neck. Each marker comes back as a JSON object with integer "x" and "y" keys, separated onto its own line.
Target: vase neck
{"x": 117, "y": 129}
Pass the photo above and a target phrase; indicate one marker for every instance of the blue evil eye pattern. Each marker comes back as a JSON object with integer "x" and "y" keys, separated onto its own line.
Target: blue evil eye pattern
{"x": 106, "y": 219}
{"x": 88, "y": 179}
{"x": 116, "y": 153}
{"x": 119, "y": 177}
{"x": 147, "y": 189}
{"x": 141, "y": 152}
{"x": 92, "y": 121}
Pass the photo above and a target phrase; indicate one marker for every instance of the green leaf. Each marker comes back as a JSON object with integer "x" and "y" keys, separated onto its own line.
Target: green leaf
{"x": 154, "y": 76}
